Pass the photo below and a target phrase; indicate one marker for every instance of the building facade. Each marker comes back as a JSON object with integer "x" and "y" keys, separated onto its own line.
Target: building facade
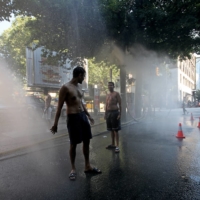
{"x": 183, "y": 79}
{"x": 198, "y": 72}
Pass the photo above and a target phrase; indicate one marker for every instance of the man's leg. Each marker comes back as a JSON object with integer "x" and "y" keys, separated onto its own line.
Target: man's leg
{"x": 117, "y": 142}
{"x": 72, "y": 154}
{"x": 113, "y": 137}
{"x": 117, "y": 138}
{"x": 109, "y": 127}
{"x": 86, "y": 152}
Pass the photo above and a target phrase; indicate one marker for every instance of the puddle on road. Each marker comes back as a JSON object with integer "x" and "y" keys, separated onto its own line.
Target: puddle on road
{"x": 191, "y": 177}
{"x": 185, "y": 178}
{"x": 195, "y": 178}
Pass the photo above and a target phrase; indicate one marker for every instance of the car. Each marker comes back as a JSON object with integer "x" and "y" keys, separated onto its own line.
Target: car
{"x": 34, "y": 106}
{"x": 35, "y": 103}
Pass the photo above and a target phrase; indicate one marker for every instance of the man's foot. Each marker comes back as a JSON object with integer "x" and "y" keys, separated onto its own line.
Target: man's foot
{"x": 117, "y": 150}
{"x": 93, "y": 171}
{"x": 72, "y": 175}
{"x": 110, "y": 146}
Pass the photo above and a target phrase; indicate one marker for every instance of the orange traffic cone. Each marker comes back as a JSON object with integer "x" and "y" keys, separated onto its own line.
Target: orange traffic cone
{"x": 180, "y": 132}
{"x": 191, "y": 118}
{"x": 199, "y": 123}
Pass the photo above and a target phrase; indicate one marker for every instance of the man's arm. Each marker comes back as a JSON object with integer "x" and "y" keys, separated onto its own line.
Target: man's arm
{"x": 61, "y": 100}
{"x": 85, "y": 110}
{"x": 120, "y": 105}
{"x": 87, "y": 113}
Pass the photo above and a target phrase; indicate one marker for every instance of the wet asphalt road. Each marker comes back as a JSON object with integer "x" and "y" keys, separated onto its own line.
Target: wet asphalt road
{"x": 152, "y": 164}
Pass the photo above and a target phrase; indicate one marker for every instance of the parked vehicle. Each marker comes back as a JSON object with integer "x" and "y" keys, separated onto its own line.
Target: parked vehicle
{"x": 35, "y": 103}
{"x": 34, "y": 107}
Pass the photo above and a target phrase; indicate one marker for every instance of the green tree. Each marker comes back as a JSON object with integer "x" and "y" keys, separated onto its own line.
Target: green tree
{"x": 83, "y": 26}
{"x": 99, "y": 74}
{"x": 13, "y": 42}
{"x": 80, "y": 28}
{"x": 6, "y": 9}
{"x": 167, "y": 27}
{"x": 72, "y": 28}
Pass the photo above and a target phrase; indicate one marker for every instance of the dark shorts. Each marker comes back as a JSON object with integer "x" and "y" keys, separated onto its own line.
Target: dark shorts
{"x": 79, "y": 128}
{"x": 113, "y": 124}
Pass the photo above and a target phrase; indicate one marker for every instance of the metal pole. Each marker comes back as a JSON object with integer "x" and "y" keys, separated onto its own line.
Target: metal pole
{"x": 111, "y": 75}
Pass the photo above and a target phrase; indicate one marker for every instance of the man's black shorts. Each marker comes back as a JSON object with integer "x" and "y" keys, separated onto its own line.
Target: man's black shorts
{"x": 78, "y": 127}
{"x": 113, "y": 124}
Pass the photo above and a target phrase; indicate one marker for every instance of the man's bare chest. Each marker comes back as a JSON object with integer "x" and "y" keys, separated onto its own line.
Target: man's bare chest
{"x": 74, "y": 93}
{"x": 112, "y": 98}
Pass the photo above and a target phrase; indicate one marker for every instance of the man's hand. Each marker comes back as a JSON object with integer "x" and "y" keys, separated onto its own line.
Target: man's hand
{"x": 54, "y": 129}
{"x": 91, "y": 120}
{"x": 118, "y": 117}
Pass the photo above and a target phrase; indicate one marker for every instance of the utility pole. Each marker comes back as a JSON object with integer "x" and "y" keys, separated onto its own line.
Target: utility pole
{"x": 111, "y": 75}
{"x": 138, "y": 92}
{"x": 123, "y": 92}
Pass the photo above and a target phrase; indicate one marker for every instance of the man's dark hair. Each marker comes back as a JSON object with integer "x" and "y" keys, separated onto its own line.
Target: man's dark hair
{"x": 111, "y": 83}
{"x": 78, "y": 70}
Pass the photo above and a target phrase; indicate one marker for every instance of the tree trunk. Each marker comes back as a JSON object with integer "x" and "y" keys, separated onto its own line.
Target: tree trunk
{"x": 138, "y": 93}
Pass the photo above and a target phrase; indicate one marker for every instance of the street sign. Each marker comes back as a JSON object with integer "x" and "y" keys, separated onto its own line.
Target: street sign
{"x": 39, "y": 74}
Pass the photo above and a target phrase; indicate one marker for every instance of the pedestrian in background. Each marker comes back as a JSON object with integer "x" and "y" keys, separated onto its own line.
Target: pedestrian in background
{"x": 113, "y": 115}
{"x": 47, "y": 109}
{"x": 184, "y": 110}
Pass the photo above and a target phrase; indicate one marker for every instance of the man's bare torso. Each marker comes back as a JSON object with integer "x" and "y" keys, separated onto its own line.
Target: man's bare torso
{"x": 73, "y": 98}
{"x": 112, "y": 101}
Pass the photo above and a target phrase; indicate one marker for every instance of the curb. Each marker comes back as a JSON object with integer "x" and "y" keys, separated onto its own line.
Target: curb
{"x": 4, "y": 153}
{"x": 27, "y": 146}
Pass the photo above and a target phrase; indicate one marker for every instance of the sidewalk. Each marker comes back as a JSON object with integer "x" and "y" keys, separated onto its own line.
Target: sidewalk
{"x": 22, "y": 136}
{"x": 18, "y": 136}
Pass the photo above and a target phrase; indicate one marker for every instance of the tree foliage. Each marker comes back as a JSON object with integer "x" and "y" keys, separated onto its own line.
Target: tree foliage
{"x": 167, "y": 27}
{"x": 6, "y": 9}
{"x": 69, "y": 27}
{"x": 99, "y": 74}
{"x": 13, "y": 43}
{"x": 81, "y": 27}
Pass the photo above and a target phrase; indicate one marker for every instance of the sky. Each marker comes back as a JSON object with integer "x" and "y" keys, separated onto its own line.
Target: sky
{"x": 5, "y": 25}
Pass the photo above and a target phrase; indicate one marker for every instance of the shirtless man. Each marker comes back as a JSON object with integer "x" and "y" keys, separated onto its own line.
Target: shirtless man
{"x": 77, "y": 120}
{"x": 47, "y": 109}
{"x": 112, "y": 115}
